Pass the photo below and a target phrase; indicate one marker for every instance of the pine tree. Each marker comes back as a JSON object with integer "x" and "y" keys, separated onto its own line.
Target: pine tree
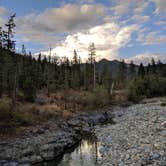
{"x": 122, "y": 73}
{"x": 148, "y": 69}
{"x": 75, "y": 71}
{"x": 10, "y": 44}
{"x": 160, "y": 68}
{"x": 67, "y": 74}
{"x": 106, "y": 79}
{"x": 141, "y": 70}
{"x": 1, "y": 72}
{"x": 132, "y": 70}
{"x": 87, "y": 75}
{"x": 23, "y": 51}
{"x": 1, "y": 37}
{"x": 92, "y": 60}
{"x": 80, "y": 74}
{"x": 153, "y": 66}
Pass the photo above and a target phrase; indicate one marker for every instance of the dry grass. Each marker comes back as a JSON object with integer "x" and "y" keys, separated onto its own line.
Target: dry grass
{"x": 63, "y": 104}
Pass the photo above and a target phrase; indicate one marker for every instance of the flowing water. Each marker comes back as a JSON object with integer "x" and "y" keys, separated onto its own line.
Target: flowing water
{"x": 86, "y": 153}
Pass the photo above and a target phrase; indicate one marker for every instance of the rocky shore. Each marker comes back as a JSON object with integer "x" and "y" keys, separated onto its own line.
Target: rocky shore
{"x": 45, "y": 142}
{"x": 137, "y": 139}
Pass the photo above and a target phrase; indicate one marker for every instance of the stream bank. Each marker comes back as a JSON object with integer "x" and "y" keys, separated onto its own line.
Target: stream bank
{"x": 137, "y": 138}
{"x": 48, "y": 141}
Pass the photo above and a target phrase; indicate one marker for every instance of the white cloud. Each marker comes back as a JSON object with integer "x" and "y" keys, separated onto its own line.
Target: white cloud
{"x": 141, "y": 5}
{"x": 151, "y": 38}
{"x": 74, "y": 26}
{"x": 86, "y": 1}
{"x": 140, "y": 18}
{"x": 122, "y": 7}
{"x": 160, "y": 6}
{"x": 108, "y": 39}
{"x": 65, "y": 19}
{"x": 3, "y": 12}
{"x": 160, "y": 23}
{"x": 147, "y": 57}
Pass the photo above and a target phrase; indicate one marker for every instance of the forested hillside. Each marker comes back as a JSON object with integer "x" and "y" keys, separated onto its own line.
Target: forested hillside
{"x": 25, "y": 74}
{"x": 24, "y": 78}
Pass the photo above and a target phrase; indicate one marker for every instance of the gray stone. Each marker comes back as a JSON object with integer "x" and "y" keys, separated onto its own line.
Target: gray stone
{"x": 137, "y": 138}
{"x": 156, "y": 156}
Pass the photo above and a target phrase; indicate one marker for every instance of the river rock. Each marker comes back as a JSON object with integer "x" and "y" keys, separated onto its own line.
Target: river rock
{"x": 47, "y": 141}
{"x": 137, "y": 138}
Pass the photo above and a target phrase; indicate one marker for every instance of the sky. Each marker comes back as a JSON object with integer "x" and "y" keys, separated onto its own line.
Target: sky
{"x": 120, "y": 29}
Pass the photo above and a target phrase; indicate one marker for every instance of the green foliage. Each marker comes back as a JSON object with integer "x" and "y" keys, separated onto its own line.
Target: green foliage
{"x": 29, "y": 90}
{"x": 122, "y": 75}
{"x": 141, "y": 70}
{"x": 97, "y": 98}
{"x": 163, "y": 104}
{"x": 147, "y": 86}
{"x": 134, "y": 91}
{"x": 5, "y": 109}
{"x": 8, "y": 117}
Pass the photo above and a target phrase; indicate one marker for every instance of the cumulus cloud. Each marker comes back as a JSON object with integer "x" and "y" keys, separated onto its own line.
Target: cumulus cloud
{"x": 140, "y": 18}
{"x": 126, "y": 11}
{"x": 78, "y": 23}
{"x": 147, "y": 57}
{"x": 108, "y": 39}
{"x": 65, "y": 19}
{"x": 3, "y": 12}
{"x": 160, "y": 23}
{"x": 160, "y": 5}
{"x": 122, "y": 7}
{"x": 141, "y": 5}
{"x": 151, "y": 38}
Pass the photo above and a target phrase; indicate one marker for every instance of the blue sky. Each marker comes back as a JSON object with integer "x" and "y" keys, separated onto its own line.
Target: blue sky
{"x": 129, "y": 29}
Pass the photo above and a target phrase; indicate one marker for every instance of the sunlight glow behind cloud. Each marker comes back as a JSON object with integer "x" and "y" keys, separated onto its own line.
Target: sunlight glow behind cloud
{"x": 108, "y": 38}
{"x": 119, "y": 28}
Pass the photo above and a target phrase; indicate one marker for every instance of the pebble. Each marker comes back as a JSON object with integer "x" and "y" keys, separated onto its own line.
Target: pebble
{"x": 138, "y": 137}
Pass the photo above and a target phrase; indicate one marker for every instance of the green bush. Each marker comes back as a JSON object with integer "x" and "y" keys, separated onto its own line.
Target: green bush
{"x": 98, "y": 98}
{"x": 29, "y": 90}
{"x": 7, "y": 123}
{"x": 5, "y": 109}
{"x": 148, "y": 86}
{"x": 163, "y": 104}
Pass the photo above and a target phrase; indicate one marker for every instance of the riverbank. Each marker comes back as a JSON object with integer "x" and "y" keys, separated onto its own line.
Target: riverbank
{"x": 47, "y": 141}
{"x": 137, "y": 138}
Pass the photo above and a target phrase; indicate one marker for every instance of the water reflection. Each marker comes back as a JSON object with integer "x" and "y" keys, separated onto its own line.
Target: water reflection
{"x": 85, "y": 154}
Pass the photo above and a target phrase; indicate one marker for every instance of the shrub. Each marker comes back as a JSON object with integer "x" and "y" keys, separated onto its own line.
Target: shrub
{"x": 28, "y": 117}
{"x": 134, "y": 91}
{"x": 5, "y": 109}
{"x": 148, "y": 86}
{"x": 98, "y": 98}
{"x": 32, "y": 115}
{"x": 29, "y": 90}
{"x": 163, "y": 104}
{"x": 66, "y": 114}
